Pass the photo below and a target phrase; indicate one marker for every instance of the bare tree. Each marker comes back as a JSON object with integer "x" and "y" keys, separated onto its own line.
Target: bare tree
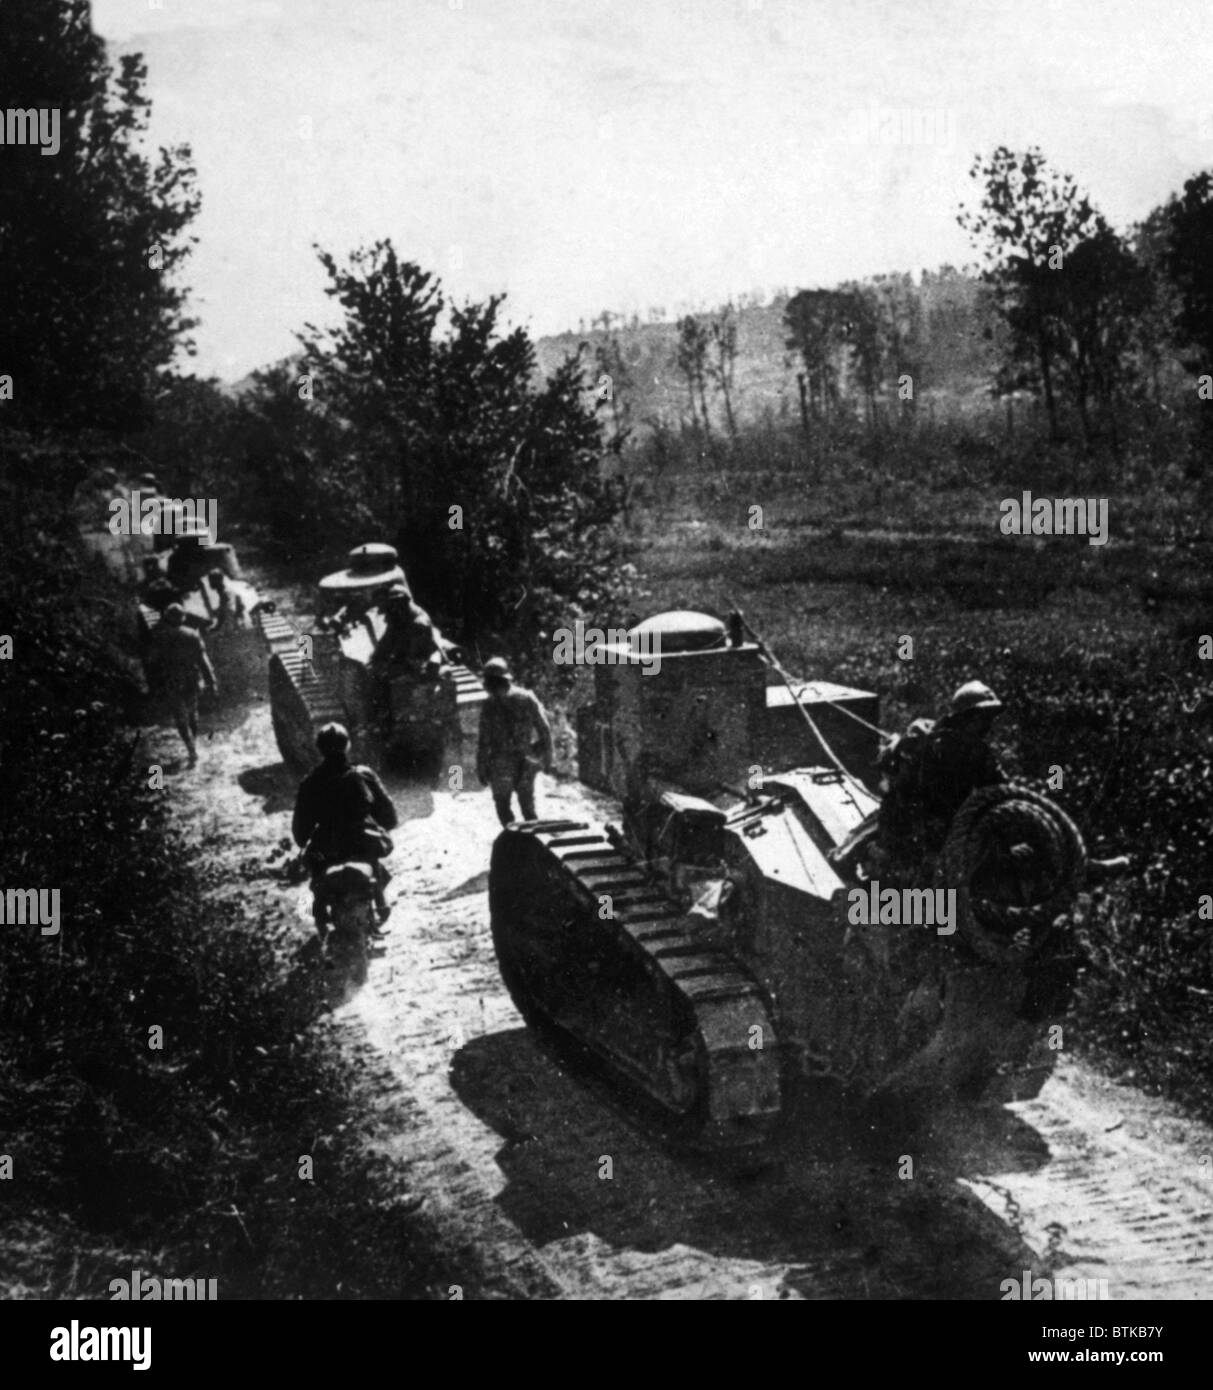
{"x": 614, "y": 388}
{"x": 817, "y": 323}
{"x": 723, "y": 362}
{"x": 691, "y": 358}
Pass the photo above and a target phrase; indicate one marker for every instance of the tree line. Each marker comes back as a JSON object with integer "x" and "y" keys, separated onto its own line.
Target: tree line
{"x": 1061, "y": 308}
{"x": 412, "y": 419}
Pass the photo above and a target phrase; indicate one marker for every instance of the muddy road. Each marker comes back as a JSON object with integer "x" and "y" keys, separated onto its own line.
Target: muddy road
{"x": 1090, "y": 1181}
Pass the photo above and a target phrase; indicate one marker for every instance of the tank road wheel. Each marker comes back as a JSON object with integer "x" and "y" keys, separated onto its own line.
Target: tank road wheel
{"x": 292, "y": 721}
{"x": 597, "y": 1000}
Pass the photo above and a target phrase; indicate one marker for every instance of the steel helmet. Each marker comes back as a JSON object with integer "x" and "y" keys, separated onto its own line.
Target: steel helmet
{"x": 174, "y": 615}
{"x": 333, "y": 738}
{"x": 496, "y": 668}
{"x": 974, "y": 695}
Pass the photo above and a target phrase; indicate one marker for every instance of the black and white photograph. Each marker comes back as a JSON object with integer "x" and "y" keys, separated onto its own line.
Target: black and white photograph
{"x": 606, "y": 661}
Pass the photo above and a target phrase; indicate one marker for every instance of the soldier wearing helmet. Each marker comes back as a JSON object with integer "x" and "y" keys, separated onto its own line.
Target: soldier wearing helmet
{"x": 929, "y": 772}
{"x": 177, "y": 666}
{"x": 342, "y": 814}
{"x": 515, "y": 741}
{"x": 411, "y": 642}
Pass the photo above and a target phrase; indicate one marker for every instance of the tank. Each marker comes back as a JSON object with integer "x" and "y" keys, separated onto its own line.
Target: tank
{"x": 205, "y": 578}
{"x": 709, "y": 953}
{"x": 409, "y": 719}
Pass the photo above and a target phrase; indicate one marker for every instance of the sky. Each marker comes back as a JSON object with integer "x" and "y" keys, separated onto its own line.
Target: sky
{"x": 581, "y": 155}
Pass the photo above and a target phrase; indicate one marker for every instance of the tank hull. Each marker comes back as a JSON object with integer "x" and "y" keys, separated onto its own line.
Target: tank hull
{"x": 413, "y": 725}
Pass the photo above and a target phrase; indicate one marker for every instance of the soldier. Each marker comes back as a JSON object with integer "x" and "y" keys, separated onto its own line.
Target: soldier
{"x": 515, "y": 741}
{"x": 157, "y": 590}
{"x": 231, "y": 609}
{"x": 931, "y": 769}
{"x": 411, "y": 642}
{"x": 342, "y": 814}
{"x": 187, "y": 562}
{"x": 177, "y": 663}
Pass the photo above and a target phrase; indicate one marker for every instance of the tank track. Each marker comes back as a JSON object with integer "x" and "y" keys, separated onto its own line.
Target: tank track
{"x": 302, "y": 699}
{"x": 637, "y": 992}
{"x": 470, "y": 695}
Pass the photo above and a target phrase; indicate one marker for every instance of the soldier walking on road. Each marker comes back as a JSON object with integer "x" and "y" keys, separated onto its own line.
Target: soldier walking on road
{"x": 515, "y": 741}
{"x": 178, "y": 666}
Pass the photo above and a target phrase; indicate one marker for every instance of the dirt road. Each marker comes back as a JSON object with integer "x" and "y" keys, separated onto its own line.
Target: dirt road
{"x": 1091, "y": 1181}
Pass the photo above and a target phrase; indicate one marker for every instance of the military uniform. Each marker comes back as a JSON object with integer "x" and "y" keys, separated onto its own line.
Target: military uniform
{"x": 515, "y": 741}
{"x": 930, "y": 772}
{"x": 410, "y": 641}
{"x": 178, "y": 667}
{"x": 342, "y": 814}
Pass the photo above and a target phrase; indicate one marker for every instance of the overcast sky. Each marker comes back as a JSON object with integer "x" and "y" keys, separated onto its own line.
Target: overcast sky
{"x": 624, "y": 154}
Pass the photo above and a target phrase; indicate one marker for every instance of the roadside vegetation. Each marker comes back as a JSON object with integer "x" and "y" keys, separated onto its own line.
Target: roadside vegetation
{"x": 177, "y": 1153}
{"x": 116, "y": 1152}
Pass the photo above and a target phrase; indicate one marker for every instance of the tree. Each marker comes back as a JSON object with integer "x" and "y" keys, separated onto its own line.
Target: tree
{"x": 1157, "y": 324}
{"x": 818, "y": 324}
{"x": 1099, "y": 294}
{"x": 613, "y": 386}
{"x": 296, "y": 471}
{"x": 91, "y": 235}
{"x": 863, "y": 325}
{"x": 1029, "y": 220}
{"x": 904, "y": 330}
{"x": 723, "y": 362}
{"x": 1186, "y": 224}
{"x": 691, "y": 358}
{"x": 491, "y": 486}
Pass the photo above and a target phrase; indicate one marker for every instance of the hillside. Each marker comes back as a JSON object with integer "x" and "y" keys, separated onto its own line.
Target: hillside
{"x": 957, "y": 328}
